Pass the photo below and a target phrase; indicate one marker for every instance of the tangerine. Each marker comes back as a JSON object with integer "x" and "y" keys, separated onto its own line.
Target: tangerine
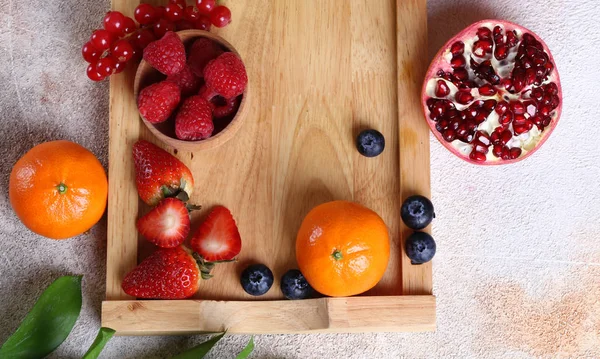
{"x": 342, "y": 248}
{"x": 58, "y": 189}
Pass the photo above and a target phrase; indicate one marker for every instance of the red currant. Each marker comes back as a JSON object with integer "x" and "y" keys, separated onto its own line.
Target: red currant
{"x": 90, "y": 53}
{"x": 119, "y": 67}
{"x": 101, "y": 39}
{"x": 181, "y": 3}
{"x": 161, "y": 28}
{"x": 191, "y": 13}
{"x": 160, "y": 12}
{"x": 92, "y": 74}
{"x": 105, "y": 66}
{"x": 203, "y": 23}
{"x": 220, "y": 16}
{"x": 129, "y": 25}
{"x": 114, "y": 23}
{"x": 142, "y": 38}
{"x": 173, "y": 12}
{"x": 145, "y": 14}
{"x": 205, "y": 6}
{"x": 122, "y": 51}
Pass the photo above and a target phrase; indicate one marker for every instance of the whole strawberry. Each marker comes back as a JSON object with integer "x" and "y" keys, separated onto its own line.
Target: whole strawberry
{"x": 186, "y": 80}
{"x": 158, "y": 174}
{"x": 157, "y": 101}
{"x": 194, "y": 119}
{"x": 169, "y": 273}
{"x": 226, "y": 75}
{"x": 201, "y": 53}
{"x": 167, "y": 55}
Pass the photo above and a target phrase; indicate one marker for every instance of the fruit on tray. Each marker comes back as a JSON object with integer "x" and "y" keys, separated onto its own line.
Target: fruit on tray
{"x": 419, "y": 247}
{"x": 417, "y": 212}
{"x": 226, "y": 75}
{"x": 167, "y": 54}
{"x": 157, "y": 101}
{"x": 121, "y": 40}
{"x": 295, "y": 286}
{"x": 168, "y": 273}
{"x": 202, "y": 51}
{"x": 342, "y": 248}
{"x": 370, "y": 143}
{"x": 58, "y": 189}
{"x": 257, "y": 279}
{"x": 218, "y": 238}
{"x": 159, "y": 175}
{"x": 166, "y": 225}
{"x": 492, "y": 94}
{"x": 194, "y": 119}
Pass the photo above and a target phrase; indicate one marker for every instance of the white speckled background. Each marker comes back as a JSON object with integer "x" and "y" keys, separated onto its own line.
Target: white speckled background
{"x": 517, "y": 273}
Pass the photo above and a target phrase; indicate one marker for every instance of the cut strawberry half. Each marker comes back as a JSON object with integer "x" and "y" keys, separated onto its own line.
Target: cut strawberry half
{"x": 217, "y": 240}
{"x": 168, "y": 224}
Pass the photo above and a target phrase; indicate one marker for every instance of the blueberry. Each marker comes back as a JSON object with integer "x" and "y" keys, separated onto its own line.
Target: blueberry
{"x": 417, "y": 212}
{"x": 295, "y": 286}
{"x": 370, "y": 143}
{"x": 420, "y": 247}
{"x": 257, "y": 279}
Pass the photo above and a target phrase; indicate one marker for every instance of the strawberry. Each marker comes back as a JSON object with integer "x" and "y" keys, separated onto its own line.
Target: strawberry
{"x": 158, "y": 174}
{"x": 186, "y": 80}
{"x": 201, "y": 53}
{"x": 218, "y": 238}
{"x": 226, "y": 75}
{"x": 167, "y": 55}
{"x": 222, "y": 107}
{"x": 194, "y": 119}
{"x": 157, "y": 101}
{"x": 169, "y": 273}
{"x": 167, "y": 224}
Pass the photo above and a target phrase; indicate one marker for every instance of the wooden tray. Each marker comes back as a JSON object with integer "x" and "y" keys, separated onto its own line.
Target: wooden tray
{"x": 319, "y": 71}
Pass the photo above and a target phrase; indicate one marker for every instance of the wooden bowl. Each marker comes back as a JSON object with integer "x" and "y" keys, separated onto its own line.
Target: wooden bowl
{"x": 165, "y": 131}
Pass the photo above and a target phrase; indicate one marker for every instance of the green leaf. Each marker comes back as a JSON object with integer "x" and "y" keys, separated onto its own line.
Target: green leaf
{"x": 48, "y": 323}
{"x": 102, "y": 338}
{"x": 199, "y": 351}
{"x": 247, "y": 350}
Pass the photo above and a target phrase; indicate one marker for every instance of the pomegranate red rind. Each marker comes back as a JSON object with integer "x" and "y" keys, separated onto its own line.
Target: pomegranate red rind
{"x": 492, "y": 93}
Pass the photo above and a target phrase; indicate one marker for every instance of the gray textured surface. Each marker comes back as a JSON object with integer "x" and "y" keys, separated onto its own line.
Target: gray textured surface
{"x": 518, "y": 269}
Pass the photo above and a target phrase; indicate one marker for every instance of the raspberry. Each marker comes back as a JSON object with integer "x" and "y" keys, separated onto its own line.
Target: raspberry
{"x": 194, "y": 119}
{"x": 222, "y": 107}
{"x": 186, "y": 80}
{"x": 226, "y": 75}
{"x": 167, "y": 55}
{"x": 201, "y": 52}
{"x": 157, "y": 101}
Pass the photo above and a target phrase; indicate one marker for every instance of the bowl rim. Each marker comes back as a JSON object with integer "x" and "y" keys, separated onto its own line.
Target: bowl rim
{"x": 214, "y": 141}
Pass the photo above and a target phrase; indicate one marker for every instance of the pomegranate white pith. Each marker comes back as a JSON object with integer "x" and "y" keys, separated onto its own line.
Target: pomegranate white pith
{"x": 492, "y": 94}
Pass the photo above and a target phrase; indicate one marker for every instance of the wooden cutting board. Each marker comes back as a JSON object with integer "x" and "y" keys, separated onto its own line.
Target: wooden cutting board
{"x": 319, "y": 73}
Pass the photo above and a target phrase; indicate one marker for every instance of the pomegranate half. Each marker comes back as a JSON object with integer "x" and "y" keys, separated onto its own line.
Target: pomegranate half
{"x": 492, "y": 93}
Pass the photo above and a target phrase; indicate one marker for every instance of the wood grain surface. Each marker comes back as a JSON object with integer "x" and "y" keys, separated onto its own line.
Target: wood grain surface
{"x": 319, "y": 73}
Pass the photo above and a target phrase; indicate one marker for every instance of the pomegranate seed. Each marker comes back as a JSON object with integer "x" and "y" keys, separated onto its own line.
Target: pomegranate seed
{"x": 506, "y": 118}
{"x": 519, "y": 119}
{"x": 545, "y": 110}
{"x": 519, "y": 129}
{"x": 549, "y": 67}
{"x": 531, "y": 52}
{"x": 457, "y": 48}
{"x": 449, "y": 135}
{"x": 497, "y": 150}
{"x": 552, "y": 89}
{"x": 501, "y": 107}
{"x": 515, "y": 152}
{"x": 487, "y": 90}
{"x": 505, "y": 153}
{"x": 530, "y": 107}
{"x": 495, "y": 136}
{"x": 511, "y": 38}
{"x": 480, "y": 147}
{"x": 442, "y": 89}
{"x": 430, "y": 102}
{"x": 462, "y": 130}
{"x": 481, "y": 47}
{"x": 461, "y": 74}
{"x": 469, "y": 138}
{"x": 452, "y": 114}
{"x": 537, "y": 120}
{"x": 477, "y": 156}
{"x": 505, "y": 136}
{"x": 439, "y": 127}
{"x": 480, "y": 118}
{"x": 463, "y": 97}
{"x": 489, "y": 105}
{"x": 472, "y": 125}
{"x": 530, "y": 76}
{"x": 458, "y": 61}
{"x": 438, "y": 109}
{"x": 528, "y": 125}
{"x": 518, "y": 79}
{"x": 555, "y": 102}
{"x": 444, "y": 123}
{"x": 472, "y": 112}
{"x": 454, "y": 125}
{"x": 546, "y": 120}
{"x": 501, "y": 52}
{"x": 498, "y": 38}
{"x": 484, "y": 33}
{"x": 517, "y": 107}
{"x": 506, "y": 84}
{"x": 483, "y": 137}
{"x": 528, "y": 38}
{"x": 537, "y": 93}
